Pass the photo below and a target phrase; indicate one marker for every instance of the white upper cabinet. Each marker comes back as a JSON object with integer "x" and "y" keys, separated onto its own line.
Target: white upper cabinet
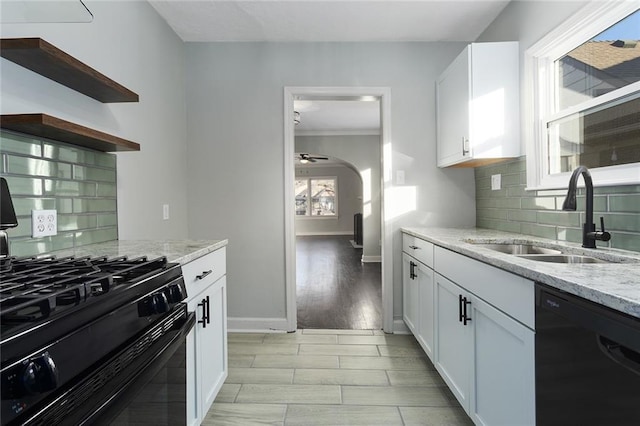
{"x": 478, "y": 106}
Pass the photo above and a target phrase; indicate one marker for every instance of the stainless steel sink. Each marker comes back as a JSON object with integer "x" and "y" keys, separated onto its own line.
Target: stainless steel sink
{"x": 518, "y": 249}
{"x": 562, "y": 258}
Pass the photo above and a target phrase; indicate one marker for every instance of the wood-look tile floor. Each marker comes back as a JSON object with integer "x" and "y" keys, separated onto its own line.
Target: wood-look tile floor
{"x": 332, "y": 377}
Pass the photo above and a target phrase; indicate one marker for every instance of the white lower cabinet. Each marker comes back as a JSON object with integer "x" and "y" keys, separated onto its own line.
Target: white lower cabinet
{"x": 503, "y": 377}
{"x": 417, "y": 287}
{"x": 476, "y": 323}
{"x": 409, "y": 293}
{"x": 207, "y": 342}
{"x": 452, "y": 350}
{"x": 485, "y": 357}
{"x": 425, "y": 312}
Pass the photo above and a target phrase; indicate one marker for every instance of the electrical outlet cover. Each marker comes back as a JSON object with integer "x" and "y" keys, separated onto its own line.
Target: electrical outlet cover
{"x": 496, "y": 182}
{"x": 44, "y": 223}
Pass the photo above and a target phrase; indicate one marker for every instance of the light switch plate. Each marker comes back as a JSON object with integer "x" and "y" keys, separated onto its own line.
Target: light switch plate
{"x": 44, "y": 223}
{"x": 165, "y": 211}
{"x": 496, "y": 182}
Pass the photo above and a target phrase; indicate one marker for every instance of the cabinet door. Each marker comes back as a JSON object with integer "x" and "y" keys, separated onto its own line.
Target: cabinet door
{"x": 452, "y": 120}
{"x": 504, "y": 378}
{"x": 410, "y": 294}
{"x": 426, "y": 309}
{"x": 211, "y": 343}
{"x": 453, "y": 358}
{"x": 194, "y": 416}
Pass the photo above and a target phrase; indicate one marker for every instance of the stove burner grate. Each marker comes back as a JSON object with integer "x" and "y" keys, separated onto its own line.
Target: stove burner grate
{"x": 32, "y": 289}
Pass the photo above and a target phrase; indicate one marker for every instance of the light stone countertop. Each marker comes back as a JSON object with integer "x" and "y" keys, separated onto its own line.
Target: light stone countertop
{"x": 616, "y": 285}
{"x": 177, "y": 251}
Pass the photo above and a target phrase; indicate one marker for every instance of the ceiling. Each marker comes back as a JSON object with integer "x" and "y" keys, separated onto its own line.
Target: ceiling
{"x": 328, "y": 20}
{"x": 344, "y": 117}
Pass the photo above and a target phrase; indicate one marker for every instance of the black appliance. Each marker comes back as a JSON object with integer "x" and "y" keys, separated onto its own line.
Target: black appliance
{"x": 587, "y": 362}
{"x": 7, "y": 216}
{"x": 93, "y": 340}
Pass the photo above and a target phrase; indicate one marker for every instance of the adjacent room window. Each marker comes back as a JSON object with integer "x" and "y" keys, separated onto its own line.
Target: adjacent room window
{"x": 316, "y": 197}
{"x": 585, "y": 83}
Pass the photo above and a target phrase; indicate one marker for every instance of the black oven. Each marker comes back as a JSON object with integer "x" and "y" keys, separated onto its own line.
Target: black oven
{"x": 93, "y": 341}
{"x": 144, "y": 383}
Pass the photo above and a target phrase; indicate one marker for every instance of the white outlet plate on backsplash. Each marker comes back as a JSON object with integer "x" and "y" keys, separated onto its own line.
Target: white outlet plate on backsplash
{"x": 44, "y": 223}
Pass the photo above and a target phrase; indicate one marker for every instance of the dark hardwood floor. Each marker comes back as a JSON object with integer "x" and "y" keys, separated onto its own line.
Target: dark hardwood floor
{"x": 334, "y": 289}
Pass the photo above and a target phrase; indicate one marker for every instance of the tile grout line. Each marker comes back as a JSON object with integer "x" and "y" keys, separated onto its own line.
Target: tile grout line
{"x": 400, "y": 413}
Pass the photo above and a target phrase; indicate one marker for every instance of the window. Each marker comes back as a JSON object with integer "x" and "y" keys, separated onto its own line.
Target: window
{"x": 316, "y": 197}
{"x": 584, "y": 81}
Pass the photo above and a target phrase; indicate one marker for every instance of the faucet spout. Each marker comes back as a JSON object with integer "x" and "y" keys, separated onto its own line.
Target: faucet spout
{"x": 589, "y": 233}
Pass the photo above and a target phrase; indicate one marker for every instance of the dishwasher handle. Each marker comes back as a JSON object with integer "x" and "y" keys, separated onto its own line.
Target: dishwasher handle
{"x": 620, "y": 354}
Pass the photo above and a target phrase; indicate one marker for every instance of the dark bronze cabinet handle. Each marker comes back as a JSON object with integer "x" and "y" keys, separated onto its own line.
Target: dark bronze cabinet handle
{"x": 413, "y": 271}
{"x": 204, "y": 274}
{"x": 414, "y": 247}
{"x": 465, "y": 317}
{"x": 205, "y": 312}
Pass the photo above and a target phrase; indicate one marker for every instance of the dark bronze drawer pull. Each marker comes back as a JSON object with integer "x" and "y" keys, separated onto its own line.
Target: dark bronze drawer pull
{"x": 204, "y": 274}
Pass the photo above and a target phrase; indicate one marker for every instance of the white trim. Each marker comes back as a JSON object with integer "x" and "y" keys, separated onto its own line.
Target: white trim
{"x": 261, "y": 325}
{"x": 371, "y": 259}
{"x": 399, "y": 327}
{"x": 591, "y": 20}
{"x": 321, "y": 233}
{"x": 290, "y": 93}
{"x": 304, "y": 217}
{"x": 361, "y": 132}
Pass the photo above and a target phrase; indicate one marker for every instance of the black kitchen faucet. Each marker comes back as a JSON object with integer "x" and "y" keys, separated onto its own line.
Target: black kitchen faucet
{"x": 589, "y": 233}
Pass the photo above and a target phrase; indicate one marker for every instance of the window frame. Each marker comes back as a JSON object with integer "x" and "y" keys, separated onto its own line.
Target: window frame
{"x": 539, "y": 79}
{"x": 335, "y": 186}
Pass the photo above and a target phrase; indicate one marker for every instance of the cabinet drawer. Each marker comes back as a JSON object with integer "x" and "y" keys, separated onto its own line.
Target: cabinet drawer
{"x": 508, "y": 292}
{"x": 214, "y": 262}
{"x": 420, "y": 249}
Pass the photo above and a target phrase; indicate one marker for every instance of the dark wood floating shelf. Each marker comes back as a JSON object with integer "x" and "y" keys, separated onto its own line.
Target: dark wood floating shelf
{"x": 46, "y": 126}
{"x": 44, "y": 58}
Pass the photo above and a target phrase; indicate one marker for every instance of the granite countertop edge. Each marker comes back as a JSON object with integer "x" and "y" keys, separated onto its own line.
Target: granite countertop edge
{"x": 615, "y": 285}
{"x": 176, "y": 251}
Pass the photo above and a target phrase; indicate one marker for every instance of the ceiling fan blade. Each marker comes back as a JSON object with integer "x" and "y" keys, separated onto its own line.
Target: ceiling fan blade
{"x": 311, "y": 159}
{"x": 320, "y": 158}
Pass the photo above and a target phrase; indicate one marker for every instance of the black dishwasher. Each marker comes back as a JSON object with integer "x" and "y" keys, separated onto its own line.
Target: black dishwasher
{"x": 587, "y": 362}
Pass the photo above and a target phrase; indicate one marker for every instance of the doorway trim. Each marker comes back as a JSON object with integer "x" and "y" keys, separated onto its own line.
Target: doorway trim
{"x": 384, "y": 95}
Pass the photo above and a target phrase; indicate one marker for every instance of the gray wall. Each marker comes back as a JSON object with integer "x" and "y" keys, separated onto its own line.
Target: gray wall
{"x": 349, "y": 188}
{"x": 130, "y": 43}
{"x": 539, "y": 212}
{"x": 236, "y": 124}
{"x": 364, "y": 153}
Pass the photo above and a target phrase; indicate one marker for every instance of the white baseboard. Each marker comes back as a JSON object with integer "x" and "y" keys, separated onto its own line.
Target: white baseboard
{"x": 371, "y": 259}
{"x": 399, "y": 327}
{"x": 257, "y": 325}
{"x": 314, "y": 234}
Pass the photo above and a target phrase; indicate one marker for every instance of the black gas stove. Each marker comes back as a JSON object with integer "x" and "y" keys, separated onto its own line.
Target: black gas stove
{"x": 72, "y": 326}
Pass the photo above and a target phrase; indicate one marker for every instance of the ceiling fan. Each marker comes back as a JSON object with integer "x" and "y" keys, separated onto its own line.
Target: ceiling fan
{"x": 308, "y": 158}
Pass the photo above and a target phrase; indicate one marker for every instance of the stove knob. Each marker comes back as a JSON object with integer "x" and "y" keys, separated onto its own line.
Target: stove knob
{"x": 175, "y": 293}
{"x": 159, "y": 303}
{"x": 40, "y": 375}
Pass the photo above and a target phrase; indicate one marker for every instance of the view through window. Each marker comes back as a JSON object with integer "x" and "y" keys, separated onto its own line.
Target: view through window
{"x": 595, "y": 117}
{"x": 316, "y": 197}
